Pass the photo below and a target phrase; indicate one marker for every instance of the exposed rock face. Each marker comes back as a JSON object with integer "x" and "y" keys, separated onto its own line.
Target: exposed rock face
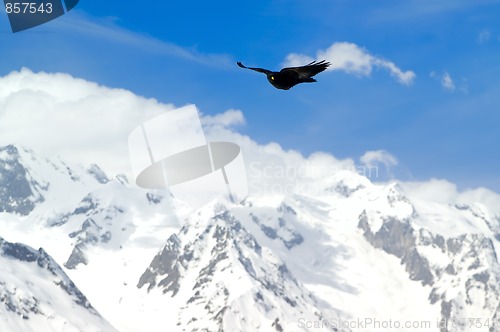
{"x": 298, "y": 262}
{"x": 43, "y": 291}
{"x": 223, "y": 252}
{"x": 19, "y": 192}
{"x": 462, "y": 272}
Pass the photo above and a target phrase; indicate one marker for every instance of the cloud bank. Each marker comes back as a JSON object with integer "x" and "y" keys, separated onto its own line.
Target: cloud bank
{"x": 83, "y": 122}
{"x": 59, "y": 115}
{"x": 352, "y": 59}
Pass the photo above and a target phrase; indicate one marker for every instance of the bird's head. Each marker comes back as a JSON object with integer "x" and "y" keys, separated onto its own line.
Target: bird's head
{"x": 271, "y": 78}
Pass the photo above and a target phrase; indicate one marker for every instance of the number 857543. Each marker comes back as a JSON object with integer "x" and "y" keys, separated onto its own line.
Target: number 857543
{"x": 28, "y": 8}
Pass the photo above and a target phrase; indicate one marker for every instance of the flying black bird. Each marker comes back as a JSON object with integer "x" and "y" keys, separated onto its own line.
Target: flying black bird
{"x": 291, "y": 76}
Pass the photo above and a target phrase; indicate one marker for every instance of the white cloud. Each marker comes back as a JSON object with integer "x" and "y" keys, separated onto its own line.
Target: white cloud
{"x": 227, "y": 119}
{"x": 483, "y": 36}
{"x": 57, "y": 114}
{"x": 352, "y": 59}
{"x": 435, "y": 190}
{"x": 445, "y": 192}
{"x": 447, "y": 82}
{"x": 83, "y": 122}
{"x": 273, "y": 170}
{"x": 295, "y": 60}
{"x": 371, "y": 158}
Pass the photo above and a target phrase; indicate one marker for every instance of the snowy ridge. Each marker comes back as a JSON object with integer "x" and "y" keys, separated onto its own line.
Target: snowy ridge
{"x": 19, "y": 191}
{"x": 462, "y": 269}
{"x": 223, "y": 279}
{"x": 28, "y": 181}
{"x": 339, "y": 252}
{"x": 87, "y": 218}
{"x": 37, "y": 295}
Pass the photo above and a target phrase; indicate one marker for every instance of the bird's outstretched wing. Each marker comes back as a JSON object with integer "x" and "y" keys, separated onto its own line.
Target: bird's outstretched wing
{"x": 308, "y": 70}
{"x": 260, "y": 70}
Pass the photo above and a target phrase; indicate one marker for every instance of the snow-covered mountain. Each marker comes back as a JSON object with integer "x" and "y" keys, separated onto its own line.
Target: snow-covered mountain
{"x": 353, "y": 256}
{"x": 37, "y": 295}
{"x": 221, "y": 279}
{"x": 455, "y": 258}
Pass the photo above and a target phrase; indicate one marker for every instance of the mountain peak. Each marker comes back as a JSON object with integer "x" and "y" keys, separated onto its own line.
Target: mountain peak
{"x": 19, "y": 191}
{"x": 27, "y": 180}
{"x": 214, "y": 267}
{"x": 41, "y": 290}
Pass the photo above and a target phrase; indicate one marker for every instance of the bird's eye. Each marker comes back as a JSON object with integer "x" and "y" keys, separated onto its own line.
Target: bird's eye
{"x": 272, "y": 77}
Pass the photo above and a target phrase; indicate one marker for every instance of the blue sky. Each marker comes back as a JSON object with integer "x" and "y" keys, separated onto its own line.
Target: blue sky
{"x": 442, "y": 123}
